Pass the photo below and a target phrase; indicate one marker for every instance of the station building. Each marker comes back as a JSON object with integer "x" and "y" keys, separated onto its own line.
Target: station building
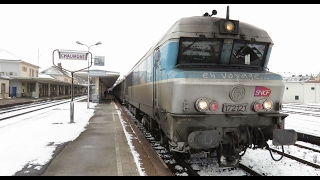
{"x": 22, "y": 79}
{"x": 302, "y": 89}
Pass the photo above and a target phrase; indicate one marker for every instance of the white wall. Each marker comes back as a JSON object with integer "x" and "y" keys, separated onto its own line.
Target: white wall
{"x": 8, "y": 67}
{"x": 291, "y": 90}
{"x": 312, "y": 96}
{"x": 303, "y": 90}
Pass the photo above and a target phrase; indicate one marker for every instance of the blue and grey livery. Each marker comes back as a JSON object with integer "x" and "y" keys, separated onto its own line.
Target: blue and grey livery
{"x": 205, "y": 87}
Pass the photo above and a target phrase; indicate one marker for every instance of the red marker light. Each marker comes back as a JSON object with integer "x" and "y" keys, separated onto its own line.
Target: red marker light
{"x": 214, "y": 106}
{"x": 257, "y": 106}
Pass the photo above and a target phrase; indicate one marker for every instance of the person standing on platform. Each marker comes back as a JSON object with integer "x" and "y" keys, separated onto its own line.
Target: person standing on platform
{"x": 105, "y": 93}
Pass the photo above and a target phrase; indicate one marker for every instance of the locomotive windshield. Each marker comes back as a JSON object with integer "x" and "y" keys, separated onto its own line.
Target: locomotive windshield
{"x": 200, "y": 51}
{"x": 195, "y": 51}
{"x": 247, "y": 53}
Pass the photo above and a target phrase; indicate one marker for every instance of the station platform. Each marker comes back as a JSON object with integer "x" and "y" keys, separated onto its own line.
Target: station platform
{"x": 102, "y": 149}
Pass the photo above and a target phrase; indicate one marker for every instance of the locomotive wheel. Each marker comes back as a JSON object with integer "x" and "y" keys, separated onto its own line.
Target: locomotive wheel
{"x": 156, "y": 134}
{"x": 138, "y": 115}
{"x": 164, "y": 140}
{"x": 161, "y": 138}
{"x": 144, "y": 123}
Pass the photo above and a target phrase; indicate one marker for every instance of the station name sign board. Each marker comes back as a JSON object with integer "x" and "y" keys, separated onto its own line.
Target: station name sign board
{"x": 73, "y": 55}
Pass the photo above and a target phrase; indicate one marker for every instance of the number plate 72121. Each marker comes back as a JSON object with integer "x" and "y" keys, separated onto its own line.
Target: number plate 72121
{"x": 235, "y": 107}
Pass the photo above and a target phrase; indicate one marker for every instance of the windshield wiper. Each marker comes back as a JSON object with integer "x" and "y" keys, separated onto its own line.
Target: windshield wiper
{"x": 238, "y": 52}
{"x": 196, "y": 40}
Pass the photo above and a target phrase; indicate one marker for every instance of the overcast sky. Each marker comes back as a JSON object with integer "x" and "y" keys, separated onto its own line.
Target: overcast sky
{"x": 128, "y": 31}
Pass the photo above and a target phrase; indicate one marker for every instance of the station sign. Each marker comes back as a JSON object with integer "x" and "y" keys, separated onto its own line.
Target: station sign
{"x": 99, "y": 60}
{"x": 97, "y": 73}
{"x": 73, "y": 55}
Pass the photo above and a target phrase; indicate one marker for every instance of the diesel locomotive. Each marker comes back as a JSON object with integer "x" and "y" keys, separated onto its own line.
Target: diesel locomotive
{"x": 205, "y": 87}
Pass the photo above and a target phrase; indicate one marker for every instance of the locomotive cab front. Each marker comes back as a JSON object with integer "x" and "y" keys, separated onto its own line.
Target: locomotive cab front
{"x": 226, "y": 99}
{"x": 205, "y": 86}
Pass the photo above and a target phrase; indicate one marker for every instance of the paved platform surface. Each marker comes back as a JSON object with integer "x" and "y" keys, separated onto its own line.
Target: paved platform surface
{"x": 102, "y": 149}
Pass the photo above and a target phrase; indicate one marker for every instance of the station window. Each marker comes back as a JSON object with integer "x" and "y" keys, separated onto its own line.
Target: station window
{"x": 296, "y": 97}
{"x": 312, "y": 88}
{"x": 31, "y": 73}
{"x": 24, "y": 69}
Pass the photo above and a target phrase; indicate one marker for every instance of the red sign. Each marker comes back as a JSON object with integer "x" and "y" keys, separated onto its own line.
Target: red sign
{"x": 262, "y": 91}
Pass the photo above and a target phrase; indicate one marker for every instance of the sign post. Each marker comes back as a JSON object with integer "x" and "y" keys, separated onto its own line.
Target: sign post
{"x": 72, "y": 55}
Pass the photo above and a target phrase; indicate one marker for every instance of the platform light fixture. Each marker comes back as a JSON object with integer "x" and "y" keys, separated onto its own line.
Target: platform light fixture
{"x": 98, "y": 43}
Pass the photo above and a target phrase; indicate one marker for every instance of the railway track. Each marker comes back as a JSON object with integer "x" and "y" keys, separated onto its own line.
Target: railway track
{"x": 19, "y": 110}
{"x": 302, "y": 109}
{"x": 305, "y": 107}
{"x": 300, "y": 159}
{"x": 301, "y": 113}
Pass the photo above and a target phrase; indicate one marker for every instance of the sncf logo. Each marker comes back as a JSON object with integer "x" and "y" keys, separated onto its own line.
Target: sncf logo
{"x": 262, "y": 91}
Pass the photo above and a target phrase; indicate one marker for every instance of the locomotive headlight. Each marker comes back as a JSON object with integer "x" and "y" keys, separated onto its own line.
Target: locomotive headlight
{"x": 262, "y": 105}
{"x": 229, "y": 26}
{"x": 267, "y": 105}
{"x": 206, "y": 105}
{"x": 201, "y": 105}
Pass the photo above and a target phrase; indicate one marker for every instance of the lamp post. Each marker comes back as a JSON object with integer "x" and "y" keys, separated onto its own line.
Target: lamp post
{"x": 98, "y": 43}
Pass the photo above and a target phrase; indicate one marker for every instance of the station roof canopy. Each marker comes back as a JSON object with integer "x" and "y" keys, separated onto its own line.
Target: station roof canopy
{"x": 109, "y": 78}
{"x": 44, "y": 79}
